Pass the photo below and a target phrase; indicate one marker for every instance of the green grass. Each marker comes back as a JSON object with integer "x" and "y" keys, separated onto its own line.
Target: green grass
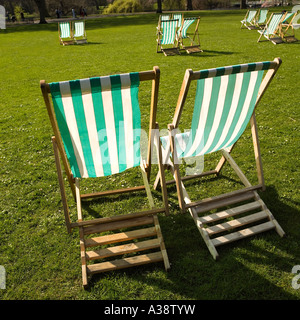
{"x": 42, "y": 260}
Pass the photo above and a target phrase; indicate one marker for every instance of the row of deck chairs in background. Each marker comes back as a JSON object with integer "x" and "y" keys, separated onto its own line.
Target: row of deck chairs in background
{"x": 172, "y": 34}
{"x": 278, "y": 28}
{"x": 72, "y": 32}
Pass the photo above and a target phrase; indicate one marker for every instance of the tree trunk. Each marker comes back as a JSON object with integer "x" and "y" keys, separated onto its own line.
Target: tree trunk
{"x": 159, "y": 10}
{"x": 41, "y": 4}
{"x": 243, "y": 4}
{"x": 189, "y": 5}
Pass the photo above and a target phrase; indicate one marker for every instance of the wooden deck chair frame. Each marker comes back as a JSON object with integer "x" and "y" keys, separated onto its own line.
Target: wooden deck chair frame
{"x": 165, "y": 38}
{"x": 287, "y": 31}
{"x": 194, "y": 45}
{"x": 81, "y": 38}
{"x": 275, "y": 35}
{"x": 117, "y": 222}
{"x": 65, "y": 40}
{"x": 260, "y": 22}
{"x": 235, "y": 198}
{"x": 249, "y": 19}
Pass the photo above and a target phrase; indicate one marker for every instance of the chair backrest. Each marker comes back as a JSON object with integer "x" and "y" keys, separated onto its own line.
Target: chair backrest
{"x": 288, "y": 15}
{"x": 224, "y": 103}
{"x": 251, "y": 15}
{"x": 169, "y": 31}
{"x": 273, "y": 23}
{"x": 262, "y": 15}
{"x": 178, "y": 16}
{"x": 164, "y": 17}
{"x": 99, "y": 122}
{"x": 65, "y": 29}
{"x": 79, "y": 28}
{"x": 186, "y": 24}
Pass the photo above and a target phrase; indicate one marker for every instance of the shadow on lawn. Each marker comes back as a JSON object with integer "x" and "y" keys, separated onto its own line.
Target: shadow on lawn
{"x": 195, "y": 275}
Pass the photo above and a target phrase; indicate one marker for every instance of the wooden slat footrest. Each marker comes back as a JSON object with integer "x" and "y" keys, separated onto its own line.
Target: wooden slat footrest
{"x": 125, "y": 263}
{"x": 243, "y": 233}
{"x": 192, "y": 49}
{"x": 170, "y": 51}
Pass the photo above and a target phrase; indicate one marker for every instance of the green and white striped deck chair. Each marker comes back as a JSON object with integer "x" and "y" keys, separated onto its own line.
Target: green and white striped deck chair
{"x": 194, "y": 41}
{"x": 97, "y": 127}
{"x": 249, "y": 20}
{"x": 225, "y": 100}
{"x": 179, "y": 17}
{"x": 287, "y": 31}
{"x": 162, "y": 17}
{"x": 65, "y": 33}
{"x": 166, "y": 40}
{"x": 272, "y": 29}
{"x": 262, "y": 18}
{"x": 79, "y": 32}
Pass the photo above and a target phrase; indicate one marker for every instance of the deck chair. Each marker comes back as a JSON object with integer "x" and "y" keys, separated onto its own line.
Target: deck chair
{"x": 225, "y": 101}
{"x": 249, "y": 19}
{"x": 287, "y": 31}
{"x": 79, "y": 32}
{"x": 262, "y": 17}
{"x": 194, "y": 42}
{"x": 162, "y": 17}
{"x": 65, "y": 33}
{"x": 179, "y": 17}
{"x": 272, "y": 29}
{"x": 167, "y": 41}
{"x": 97, "y": 127}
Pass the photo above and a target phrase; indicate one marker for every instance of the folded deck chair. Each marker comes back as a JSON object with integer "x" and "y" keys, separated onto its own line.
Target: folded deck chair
{"x": 287, "y": 31}
{"x": 97, "y": 127}
{"x": 225, "y": 101}
{"x": 194, "y": 41}
{"x": 65, "y": 33}
{"x": 262, "y": 17}
{"x": 166, "y": 39}
{"x": 272, "y": 29}
{"x": 80, "y": 32}
{"x": 249, "y": 19}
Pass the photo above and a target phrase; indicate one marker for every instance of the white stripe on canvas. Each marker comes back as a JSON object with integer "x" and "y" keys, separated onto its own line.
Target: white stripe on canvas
{"x": 72, "y": 125}
{"x": 88, "y": 106}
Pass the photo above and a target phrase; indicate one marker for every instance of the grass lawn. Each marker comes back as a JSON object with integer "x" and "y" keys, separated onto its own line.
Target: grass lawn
{"x": 42, "y": 261}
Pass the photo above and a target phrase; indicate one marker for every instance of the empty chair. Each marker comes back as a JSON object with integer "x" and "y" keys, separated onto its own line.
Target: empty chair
{"x": 65, "y": 33}
{"x": 166, "y": 39}
{"x": 194, "y": 40}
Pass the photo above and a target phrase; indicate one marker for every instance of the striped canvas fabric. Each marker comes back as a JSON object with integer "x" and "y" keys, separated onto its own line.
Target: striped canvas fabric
{"x": 186, "y": 23}
{"x": 224, "y": 102}
{"x": 178, "y": 16}
{"x": 64, "y": 30}
{"x": 100, "y": 123}
{"x": 262, "y": 16}
{"x": 251, "y": 15}
{"x": 273, "y": 24}
{"x": 79, "y": 29}
{"x": 169, "y": 31}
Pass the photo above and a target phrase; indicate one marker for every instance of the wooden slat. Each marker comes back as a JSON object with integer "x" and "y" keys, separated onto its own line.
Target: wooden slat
{"x": 125, "y": 263}
{"x": 118, "y": 225}
{"x": 230, "y": 212}
{"x": 243, "y": 233}
{"x": 123, "y": 249}
{"x": 236, "y": 223}
{"x": 111, "y": 192}
{"x": 224, "y": 202}
{"x": 121, "y": 236}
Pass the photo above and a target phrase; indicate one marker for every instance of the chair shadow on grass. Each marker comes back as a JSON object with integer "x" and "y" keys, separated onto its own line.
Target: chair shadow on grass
{"x": 195, "y": 275}
{"x": 207, "y": 53}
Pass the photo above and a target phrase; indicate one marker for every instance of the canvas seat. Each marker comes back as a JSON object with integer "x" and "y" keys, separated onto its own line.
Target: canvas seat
{"x": 272, "y": 29}
{"x": 162, "y": 17}
{"x": 97, "y": 127}
{"x": 194, "y": 41}
{"x": 166, "y": 39}
{"x": 65, "y": 33}
{"x": 224, "y": 104}
{"x": 262, "y": 17}
{"x": 179, "y": 17}
{"x": 80, "y": 32}
{"x": 249, "y": 19}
